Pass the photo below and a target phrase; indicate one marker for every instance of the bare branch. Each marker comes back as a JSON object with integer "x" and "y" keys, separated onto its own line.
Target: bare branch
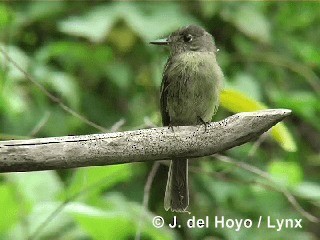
{"x": 136, "y": 146}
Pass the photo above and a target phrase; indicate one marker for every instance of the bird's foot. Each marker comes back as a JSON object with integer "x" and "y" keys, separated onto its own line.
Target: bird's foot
{"x": 205, "y": 123}
{"x": 170, "y": 126}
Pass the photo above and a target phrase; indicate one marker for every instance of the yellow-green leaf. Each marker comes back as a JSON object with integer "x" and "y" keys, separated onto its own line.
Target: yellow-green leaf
{"x": 236, "y": 101}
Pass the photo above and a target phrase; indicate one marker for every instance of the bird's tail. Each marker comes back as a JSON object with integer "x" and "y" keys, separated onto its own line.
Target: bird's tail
{"x": 177, "y": 193}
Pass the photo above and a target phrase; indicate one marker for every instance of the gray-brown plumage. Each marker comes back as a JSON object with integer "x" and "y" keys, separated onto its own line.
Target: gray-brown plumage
{"x": 190, "y": 89}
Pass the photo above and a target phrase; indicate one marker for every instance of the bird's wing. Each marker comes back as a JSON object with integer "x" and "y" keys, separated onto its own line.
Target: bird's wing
{"x": 164, "y": 95}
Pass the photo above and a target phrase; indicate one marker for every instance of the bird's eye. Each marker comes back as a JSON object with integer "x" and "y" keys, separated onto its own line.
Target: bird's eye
{"x": 187, "y": 38}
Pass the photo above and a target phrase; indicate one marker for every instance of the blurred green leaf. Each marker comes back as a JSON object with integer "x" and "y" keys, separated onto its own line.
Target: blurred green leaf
{"x": 123, "y": 38}
{"x": 246, "y": 84}
{"x": 308, "y": 52}
{"x": 12, "y": 98}
{"x": 97, "y": 23}
{"x": 19, "y": 57}
{"x": 304, "y": 104}
{"x": 249, "y": 19}
{"x": 77, "y": 57}
{"x": 40, "y": 10}
{"x": 12, "y": 94}
{"x": 236, "y": 102}
{"x": 119, "y": 222}
{"x": 5, "y": 16}
{"x": 40, "y": 213}
{"x": 99, "y": 178}
{"x": 9, "y": 213}
{"x": 37, "y": 186}
{"x": 58, "y": 124}
{"x": 119, "y": 74}
{"x": 302, "y": 16}
{"x": 308, "y": 190}
{"x": 59, "y": 82}
{"x": 209, "y": 8}
{"x": 101, "y": 225}
{"x": 148, "y": 19}
{"x": 288, "y": 173}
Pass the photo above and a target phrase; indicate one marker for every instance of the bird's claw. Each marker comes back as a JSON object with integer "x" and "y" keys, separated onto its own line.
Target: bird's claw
{"x": 170, "y": 126}
{"x": 205, "y": 124}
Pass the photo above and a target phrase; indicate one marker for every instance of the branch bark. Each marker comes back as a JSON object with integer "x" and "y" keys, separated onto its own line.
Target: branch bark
{"x": 136, "y": 146}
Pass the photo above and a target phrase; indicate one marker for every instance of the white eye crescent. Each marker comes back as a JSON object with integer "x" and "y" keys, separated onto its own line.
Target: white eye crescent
{"x": 187, "y": 38}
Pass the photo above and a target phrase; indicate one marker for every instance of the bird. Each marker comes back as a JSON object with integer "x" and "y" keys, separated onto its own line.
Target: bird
{"x": 189, "y": 95}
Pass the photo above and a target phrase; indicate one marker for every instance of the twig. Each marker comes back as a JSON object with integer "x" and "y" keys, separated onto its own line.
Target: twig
{"x": 257, "y": 144}
{"x": 146, "y": 195}
{"x": 87, "y": 189}
{"x": 148, "y": 123}
{"x": 51, "y": 96}
{"x": 116, "y": 126}
{"x": 292, "y": 200}
{"x": 40, "y": 124}
{"x": 309, "y": 75}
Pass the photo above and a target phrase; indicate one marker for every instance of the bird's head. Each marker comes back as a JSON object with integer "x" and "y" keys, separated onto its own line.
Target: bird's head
{"x": 190, "y": 38}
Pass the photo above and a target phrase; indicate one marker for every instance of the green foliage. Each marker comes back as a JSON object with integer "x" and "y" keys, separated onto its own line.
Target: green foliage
{"x": 95, "y": 57}
{"x": 87, "y": 177}
{"x": 288, "y": 173}
{"x": 11, "y": 215}
{"x": 119, "y": 221}
{"x": 235, "y": 101}
{"x": 251, "y": 15}
{"x": 142, "y": 18}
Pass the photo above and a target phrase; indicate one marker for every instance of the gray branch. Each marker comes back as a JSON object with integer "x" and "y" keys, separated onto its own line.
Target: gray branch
{"x": 136, "y": 146}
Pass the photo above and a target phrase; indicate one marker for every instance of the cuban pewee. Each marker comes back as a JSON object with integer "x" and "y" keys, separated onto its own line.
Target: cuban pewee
{"x": 190, "y": 89}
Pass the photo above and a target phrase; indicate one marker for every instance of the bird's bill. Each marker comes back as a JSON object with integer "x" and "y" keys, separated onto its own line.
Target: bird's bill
{"x": 163, "y": 41}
